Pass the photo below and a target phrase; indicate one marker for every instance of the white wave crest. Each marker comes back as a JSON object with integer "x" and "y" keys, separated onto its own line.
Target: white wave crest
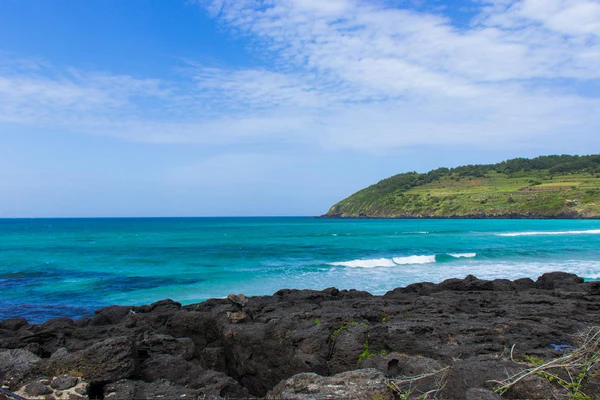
{"x": 373, "y": 263}
{"x": 463, "y": 255}
{"x": 385, "y": 262}
{"x": 535, "y": 233}
{"x": 414, "y": 260}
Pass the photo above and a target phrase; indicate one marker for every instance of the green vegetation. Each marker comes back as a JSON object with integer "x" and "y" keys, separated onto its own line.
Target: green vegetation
{"x": 344, "y": 327}
{"x": 407, "y": 387}
{"x": 365, "y": 354}
{"x": 543, "y": 187}
{"x": 572, "y": 371}
{"x": 317, "y": 321}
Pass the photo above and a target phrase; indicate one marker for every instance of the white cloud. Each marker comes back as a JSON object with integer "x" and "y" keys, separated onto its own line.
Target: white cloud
{"x": 40, "y": 96}
{"x": 349, "y": 74}
{"x": 569, "y": 17}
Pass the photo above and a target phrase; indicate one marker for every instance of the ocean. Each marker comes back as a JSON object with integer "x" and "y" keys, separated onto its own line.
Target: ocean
{"x": 69, "y": 267}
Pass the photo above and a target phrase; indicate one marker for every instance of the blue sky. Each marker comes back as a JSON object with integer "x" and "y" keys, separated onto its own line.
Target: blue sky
{"x": 278, "y": 107}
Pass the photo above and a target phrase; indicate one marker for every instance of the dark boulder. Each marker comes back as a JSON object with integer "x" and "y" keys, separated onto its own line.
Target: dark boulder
{"x": 555, "y": 280}
{"x": 477, "y": 372}
{"x": 523, "y": 284}
{"x": 18, "y": 366}
{"x": 37, "y": 389}
{"x": 64, "y": 382}
{"x": 106, "y": 361}
{"x": 13, "y": 324}
{"x": 169, "y": 367}
{"x": 110, "y": 315}
{"x": 167, "y": 344}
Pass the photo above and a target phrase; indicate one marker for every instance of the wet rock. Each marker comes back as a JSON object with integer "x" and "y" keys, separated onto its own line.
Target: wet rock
{"x": 365, "y": 384}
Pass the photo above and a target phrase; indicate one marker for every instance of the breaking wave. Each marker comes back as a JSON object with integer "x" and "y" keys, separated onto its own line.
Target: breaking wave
{"x": 373, "y": 263}
{"x": 462, "y": 255}
{"x": 536, "y": 233}
{"x": 397, "y": 261}
{"x": 385, "y": 262}
{"x": 414, "y": 260}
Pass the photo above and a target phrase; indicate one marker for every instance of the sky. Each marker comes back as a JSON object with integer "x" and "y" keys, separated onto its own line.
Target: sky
{"x": 279, "y": 107}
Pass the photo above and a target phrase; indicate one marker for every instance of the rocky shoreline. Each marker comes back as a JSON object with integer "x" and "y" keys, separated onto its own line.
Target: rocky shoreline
{"x": 454, "y": 340}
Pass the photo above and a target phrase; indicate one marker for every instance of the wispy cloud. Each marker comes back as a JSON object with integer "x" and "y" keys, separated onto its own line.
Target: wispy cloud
{"x": 348, "y": 74}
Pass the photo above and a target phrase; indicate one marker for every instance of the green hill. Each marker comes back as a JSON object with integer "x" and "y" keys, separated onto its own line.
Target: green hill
{"x": 544, "y": 187}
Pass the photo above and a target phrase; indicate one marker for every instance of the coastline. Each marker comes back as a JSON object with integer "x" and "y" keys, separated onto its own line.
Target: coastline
{"x": 469, "y": 217}
{"x": 253, "y": 347}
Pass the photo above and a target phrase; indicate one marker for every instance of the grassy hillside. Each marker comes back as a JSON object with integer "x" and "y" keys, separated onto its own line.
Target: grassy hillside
{"x": 544, "y": 187}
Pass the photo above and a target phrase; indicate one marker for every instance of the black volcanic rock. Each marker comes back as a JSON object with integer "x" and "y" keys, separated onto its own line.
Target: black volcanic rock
{"x": 365, "y": 384}
{"x": 463, "y": 327}
{"x": 105, "y": 361}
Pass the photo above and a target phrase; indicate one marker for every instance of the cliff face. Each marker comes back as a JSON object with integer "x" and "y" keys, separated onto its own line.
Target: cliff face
{"x": 544, "y": 187}
{"x": 308, "y": 344}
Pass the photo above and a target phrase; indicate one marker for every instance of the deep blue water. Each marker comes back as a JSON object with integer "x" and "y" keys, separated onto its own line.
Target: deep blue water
{"x": 69, "y": 267}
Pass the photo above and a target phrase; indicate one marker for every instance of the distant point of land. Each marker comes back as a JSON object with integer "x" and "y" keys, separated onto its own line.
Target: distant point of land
{"x": 556, "y": 186}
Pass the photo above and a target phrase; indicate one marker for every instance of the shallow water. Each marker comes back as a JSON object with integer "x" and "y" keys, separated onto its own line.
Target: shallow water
{"x": 69, "y": 267}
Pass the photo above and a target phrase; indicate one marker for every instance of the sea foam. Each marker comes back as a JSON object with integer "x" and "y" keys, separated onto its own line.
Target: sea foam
{"x": 373, "y": 263}
{"x": 536, "y": 233}
{"x": 385, "y": 262}
{"x": 463, "y": 255}
{"x": 414, "y": 260}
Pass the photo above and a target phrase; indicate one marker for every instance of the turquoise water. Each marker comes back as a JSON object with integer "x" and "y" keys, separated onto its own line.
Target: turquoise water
{"x": 69, "y": 267}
